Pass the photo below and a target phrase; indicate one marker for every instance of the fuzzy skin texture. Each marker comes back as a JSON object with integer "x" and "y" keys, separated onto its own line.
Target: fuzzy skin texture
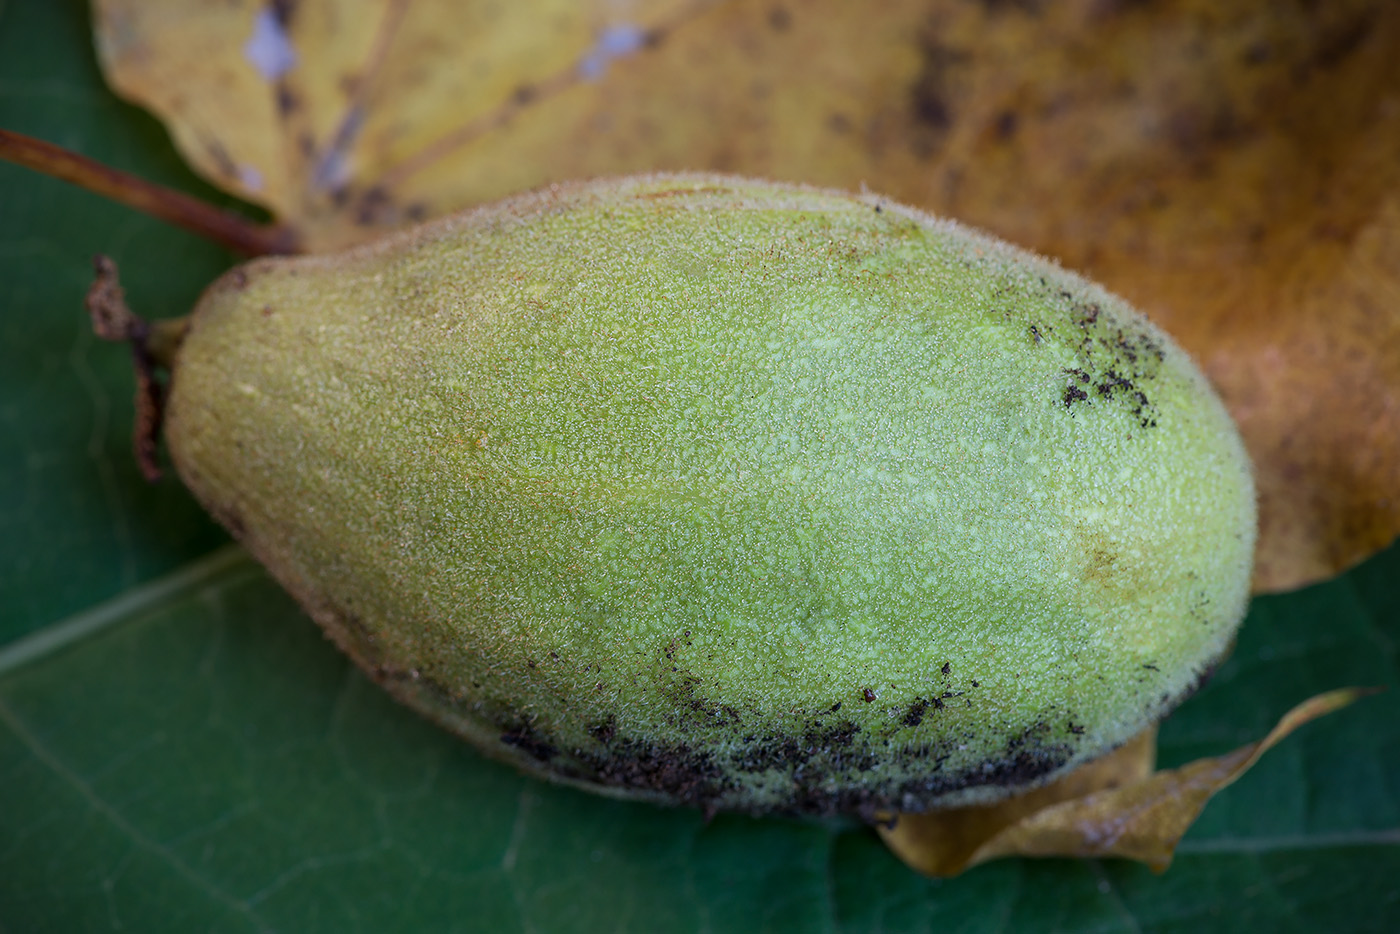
{"x": 714, "y": 491}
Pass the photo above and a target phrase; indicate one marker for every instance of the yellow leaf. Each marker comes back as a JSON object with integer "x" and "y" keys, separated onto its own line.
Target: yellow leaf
{"x": 1233, "y": 170}
{"x": 1113, "y": 807}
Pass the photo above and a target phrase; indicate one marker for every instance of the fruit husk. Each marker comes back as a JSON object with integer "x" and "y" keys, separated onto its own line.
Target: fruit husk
{"x": 721, "y": 492}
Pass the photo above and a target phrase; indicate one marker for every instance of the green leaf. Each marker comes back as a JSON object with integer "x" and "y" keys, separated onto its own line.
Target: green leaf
{"x": 77, "y": 524}
{"x": 180, "y": 749}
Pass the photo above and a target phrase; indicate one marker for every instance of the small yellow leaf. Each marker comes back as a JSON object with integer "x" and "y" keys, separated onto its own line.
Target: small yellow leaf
{"x": 944, "y": 843}
{"x": 1114, "y": 807}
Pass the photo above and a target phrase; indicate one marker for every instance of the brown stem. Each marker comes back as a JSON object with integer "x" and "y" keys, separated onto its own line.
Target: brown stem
{"x": 235, "y": 232}
{"x": 152, "y": 345}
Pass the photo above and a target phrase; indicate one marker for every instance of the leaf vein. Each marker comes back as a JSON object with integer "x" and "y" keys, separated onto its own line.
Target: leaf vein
{"x": 113, "y": 816}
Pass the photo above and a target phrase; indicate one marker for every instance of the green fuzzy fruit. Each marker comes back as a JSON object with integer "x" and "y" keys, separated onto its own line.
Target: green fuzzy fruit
{"x": 743, "y": 495}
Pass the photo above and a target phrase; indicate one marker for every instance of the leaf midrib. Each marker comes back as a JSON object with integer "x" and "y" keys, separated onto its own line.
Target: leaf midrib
{"x": 131, "y": 605}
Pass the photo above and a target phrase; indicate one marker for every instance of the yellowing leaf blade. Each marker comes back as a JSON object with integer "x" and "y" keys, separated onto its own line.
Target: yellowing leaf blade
{"x": 1232, "y": 170}
{"x": 146, "y": 50}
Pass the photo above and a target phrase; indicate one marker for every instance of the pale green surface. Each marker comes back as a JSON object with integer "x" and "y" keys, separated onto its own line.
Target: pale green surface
{"x": 689, "y": 462}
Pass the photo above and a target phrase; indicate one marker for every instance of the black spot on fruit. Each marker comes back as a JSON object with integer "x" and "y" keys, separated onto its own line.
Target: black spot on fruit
{"x": 675, "y": 770}
{"x": 524, "y": 737}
